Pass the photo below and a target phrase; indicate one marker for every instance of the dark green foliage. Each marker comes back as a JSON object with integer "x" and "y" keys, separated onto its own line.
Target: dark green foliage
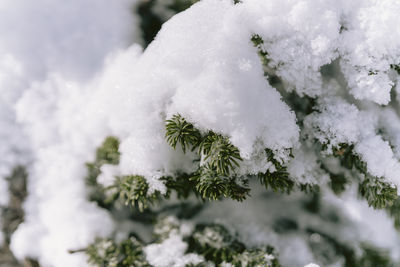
{"x": 348, "y": 158}
{"x": 131, "y": 189}
{"x": 181, "y": 184}
{"x": 394, "y": 211}
{"x": 258, "y": 42}
{"x": 327, "y": 249}
{"x": 215, "y": 243}
{"x": 107, "y": 153}
{"x": 338, "y": 183}
{"x": 216, "y": 149}
{"x": 373, "y": 257}
{"x": 396, "y": 67}
{"x": 180, "y": 5}
{"x": 278, "y": 180}
{"x": 218, "y": 245}
{"x": 238, "y": 191}
{"x": 214, "y": 179}
{"x": 12, "y": 215}
{"x": 309, "y": 188}
{"x": 108, "y": 253}
{"x": 209, "y": 184}
{"x": 134, "y": 190}
{"x": 212, "y": 185}
{"x": 151, "y": 21}
{"x": 312, "y": 204}
{"x": 201, "y": 264}
{"x": 164, "y": 226}
{"x": 256, "y": 258}
{"x": 178, "y": 130}
{"x": 377, "y": 192}
{"x": 284, "y": 225}
{"x": 219, "y": 153}
{"x": 303, "y": 105}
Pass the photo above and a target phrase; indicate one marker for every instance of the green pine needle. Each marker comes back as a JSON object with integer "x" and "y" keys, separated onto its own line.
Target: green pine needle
{"x": 279, "y": 180}
{"x": 379, "y": 193}
{"x": 219, "y": 153}
{"x": 106, "y": 252}
{"x": 215, "y": 243}
{"x": 108, "y": 152}
{"x": 256, "y": 258}
{"x": 133, "y": 189}
{"x": 179, "y": 131}
{"x": 213, "y": 186}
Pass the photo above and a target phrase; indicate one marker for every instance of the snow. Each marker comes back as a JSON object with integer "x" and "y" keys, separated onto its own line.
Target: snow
{"x": 371, "y": 43}
{"x": 107, "y": 175}
{"x": 339, "y": 122}
{"x": 171, "y": 252}
{"x": 42, "y": 42}
{"x": 304, "y": 168}
{"x": 293, "y": 246}
{"x": 72, "y": 74}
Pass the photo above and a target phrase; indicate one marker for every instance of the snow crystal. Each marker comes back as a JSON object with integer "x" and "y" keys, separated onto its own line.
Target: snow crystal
{"x": 304, "y": 168}
{"x": 337, "y": 122}
{"x": 171, "y": 253}
{"x": 371, "y": 42}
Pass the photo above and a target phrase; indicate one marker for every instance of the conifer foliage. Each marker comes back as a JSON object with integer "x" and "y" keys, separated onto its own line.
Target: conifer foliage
{"x": 200, "y": 133}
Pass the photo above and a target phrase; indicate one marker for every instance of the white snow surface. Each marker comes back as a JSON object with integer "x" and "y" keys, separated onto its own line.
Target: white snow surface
{"x": 40, "y": 42}
{"x": 171, "y": 253}
{"x": 68, "y": 79}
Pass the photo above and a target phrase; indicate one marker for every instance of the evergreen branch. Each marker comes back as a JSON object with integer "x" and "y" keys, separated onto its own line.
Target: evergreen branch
{"x": 255, "y": 258}
{"x": 106, "y": 252}
{"x": 377, "y": 192}
{"x": 133, "y": 189}
{"x": 394, "y": 211}
{"x": 178, "y": 130}
{"x": 219, "y": 246}
{"x": 348, "y": 158}
{"x": 212, "y": 185}
{"x": 396, "y": 67}
{"x": 278, "y": 180}
{"x": 215, "y": 243}
{"x": 165, "y": 226}
{"x": 209, "y": 184}
{"x": 219, "y": 153}
{"x": 107, "y": 153}
{"x": 309, "y": 188}
{"x": 258, "y": 42}
{"x": 181, "y": 184}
